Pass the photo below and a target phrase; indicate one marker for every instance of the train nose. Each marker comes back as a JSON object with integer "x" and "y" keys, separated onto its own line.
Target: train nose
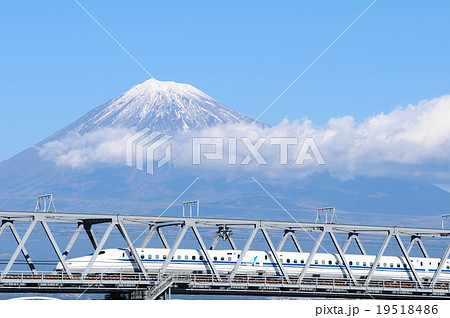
{"x": 59, "y": 267}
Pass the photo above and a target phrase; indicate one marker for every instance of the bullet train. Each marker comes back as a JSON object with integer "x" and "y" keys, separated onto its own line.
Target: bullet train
{"x": 258, "y": 263}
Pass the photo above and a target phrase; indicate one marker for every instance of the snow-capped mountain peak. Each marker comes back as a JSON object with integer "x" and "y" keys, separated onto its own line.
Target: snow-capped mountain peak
{"x": 159, "y": 105}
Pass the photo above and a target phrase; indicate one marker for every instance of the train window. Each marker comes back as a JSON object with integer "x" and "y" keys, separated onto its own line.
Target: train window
{"x": 157, "y": 256}
{"x": 229, "y": 258}
{"x": 179, "y": 257}
{"x": 193, "y": 257}
{"x": 101, "y": 252}
{"x": 288, "y": 260}
{"x": 302, "y": 261}
{"x": 222, "y": 258}
{"x": 384, "y": 264}
{"x": 186, "y": 257}
{"x": 316, "y": 262}
{"x": 398, "y": 265}
{"x": 215, "y": 258}
{"x": 421, "y": 263}
{"x": 364, "y": 264}
{"x": 295, "y": 261}
{"x": 351, "y": 263}
{"x": 200, "y": 257}
{"x": 371, "y": 264}
{"x": 265, "y": 257}
{"x": 149, "y": 256}
{"x": 430, "y": 263}
{"x": 142, "y": 256}
{"x": 281, "y": 260}
{"x": 330, "y": 262}
{"x": 323, "y": 262}
{"x": 123, "y": 254}
{"x": 357, "y": 263}
{"x": 448, "y": 267}
{"x": 164, "y": 256}
{"x": 337, "y": 262}
{"x": 391, "y": 265}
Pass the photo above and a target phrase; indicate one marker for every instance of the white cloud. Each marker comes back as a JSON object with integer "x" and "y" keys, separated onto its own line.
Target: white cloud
{"x": 415, "y": 138}
{"x": 105, "y": 145}
{"x": 409, "y": 141}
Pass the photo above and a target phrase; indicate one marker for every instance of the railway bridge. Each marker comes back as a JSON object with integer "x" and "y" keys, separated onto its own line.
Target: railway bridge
{"x": 145, "y": 285}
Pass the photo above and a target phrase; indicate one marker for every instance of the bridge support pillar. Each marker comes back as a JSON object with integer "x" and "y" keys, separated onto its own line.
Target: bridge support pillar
{"x": 442, "y": 263}
{"x": 417, "y": 239}
{"x": 225, "y": 233}
{"x": 358, "y": 242}
{"x": 377, "y": 258}
{"x": 343, "y": 259}
{"x": 408, "y": 260}
{"x": 88, "y": 228}
{"x": 20, "y": 247}
{"x": 19, "y": 241}
{"x": 294, "y": 239}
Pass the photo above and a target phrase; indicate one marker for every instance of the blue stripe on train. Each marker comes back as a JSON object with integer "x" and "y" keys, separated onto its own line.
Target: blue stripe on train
{"x": 275, "y": 264}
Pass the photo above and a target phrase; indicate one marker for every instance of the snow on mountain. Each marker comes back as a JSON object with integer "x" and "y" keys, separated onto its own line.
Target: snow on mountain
{"x": 163, "y": 106}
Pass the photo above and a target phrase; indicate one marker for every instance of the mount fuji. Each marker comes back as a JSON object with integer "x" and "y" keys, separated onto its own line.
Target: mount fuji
{"x": 176, "y": 108}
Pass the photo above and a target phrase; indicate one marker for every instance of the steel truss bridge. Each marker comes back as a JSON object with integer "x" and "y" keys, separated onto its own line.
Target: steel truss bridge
{"x": 145, "y": 285}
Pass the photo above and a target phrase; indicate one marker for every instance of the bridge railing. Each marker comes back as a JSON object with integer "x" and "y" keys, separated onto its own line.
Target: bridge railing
{"x": 206, "y": 281}
{"x": 63, "y": 278}
{"x": 278, "y": 281}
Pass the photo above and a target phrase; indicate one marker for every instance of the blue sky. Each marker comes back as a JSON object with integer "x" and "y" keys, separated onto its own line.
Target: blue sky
{"x": 57, "y": 64}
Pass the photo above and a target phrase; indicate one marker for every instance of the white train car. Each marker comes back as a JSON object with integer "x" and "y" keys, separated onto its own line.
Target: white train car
{"x": 258, "y": 263}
